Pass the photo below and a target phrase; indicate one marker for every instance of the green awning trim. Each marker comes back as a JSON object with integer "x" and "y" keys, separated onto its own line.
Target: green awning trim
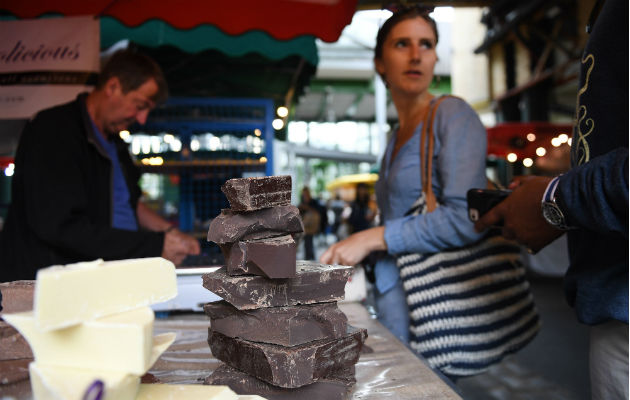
{"x": 157, "y": 33}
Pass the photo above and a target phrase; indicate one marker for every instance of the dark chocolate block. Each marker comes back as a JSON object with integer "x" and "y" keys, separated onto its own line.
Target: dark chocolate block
{"x": 13, "y": 345}
{"x": 230, "y": 227}
{"x": 285, "y": 326}
{"x": 274, "y": 258}
{"x": 289, "y": 367}
{"x": 17, "y": 296}
{"x": 248, "y": 194}
{"x": 12, "y": 371}
{"x": 336, "y": 387}
{"x": 314, "y": 283}
{"x": 149, "y": 378}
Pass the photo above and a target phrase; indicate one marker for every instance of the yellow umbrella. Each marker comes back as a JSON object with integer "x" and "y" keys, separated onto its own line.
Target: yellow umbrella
{"x": 351, "y": 180}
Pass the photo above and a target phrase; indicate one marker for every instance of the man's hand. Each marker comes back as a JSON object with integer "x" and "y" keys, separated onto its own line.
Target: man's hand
{"x": 178, "y": 245}
{"x": 520, "y": 214}
{"x": 355, "y": 248}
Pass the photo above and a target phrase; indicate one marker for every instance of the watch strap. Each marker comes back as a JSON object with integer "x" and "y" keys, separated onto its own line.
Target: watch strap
{"x": 550, "y": 192}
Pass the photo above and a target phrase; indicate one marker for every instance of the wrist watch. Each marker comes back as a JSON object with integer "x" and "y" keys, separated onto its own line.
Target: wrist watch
{"x": 550, "y": 209}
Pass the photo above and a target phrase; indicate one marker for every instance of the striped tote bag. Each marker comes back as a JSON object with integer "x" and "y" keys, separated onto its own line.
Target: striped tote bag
{"x": 469, "y": 306}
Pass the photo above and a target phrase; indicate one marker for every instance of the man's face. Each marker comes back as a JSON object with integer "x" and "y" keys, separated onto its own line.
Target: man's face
{"x": 123, "y": 109}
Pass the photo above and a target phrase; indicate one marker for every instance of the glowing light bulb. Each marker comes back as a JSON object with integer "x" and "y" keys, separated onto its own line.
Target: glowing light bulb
{"x": 512, "y": 157}
{"x": 531, "y": 137}
{"x": 215, "y": 143}
{"x": 195, "y": 145}
{"x": 9, "y": 170}
{"x": 277, "y": 124}
{"x": 528, "y": 162}
{"x": 156, "y": 161}
{"x": 282, "y": 111}
{"x": 176, "y": 145}
{"x": 541, "y": 151}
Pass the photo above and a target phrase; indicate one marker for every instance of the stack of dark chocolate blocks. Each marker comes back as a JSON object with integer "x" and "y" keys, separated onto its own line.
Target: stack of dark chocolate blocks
{"x": 279, "y": 331}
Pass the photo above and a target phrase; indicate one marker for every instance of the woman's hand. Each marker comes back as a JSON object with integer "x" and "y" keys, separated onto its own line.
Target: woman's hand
{"x": 355, "y": 248}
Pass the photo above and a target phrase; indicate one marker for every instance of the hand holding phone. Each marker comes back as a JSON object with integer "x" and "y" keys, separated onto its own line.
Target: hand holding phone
{"x": 480, "y": 201}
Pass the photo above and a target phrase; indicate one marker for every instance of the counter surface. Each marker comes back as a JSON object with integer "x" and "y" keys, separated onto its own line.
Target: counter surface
{"x": 386, "y": 368}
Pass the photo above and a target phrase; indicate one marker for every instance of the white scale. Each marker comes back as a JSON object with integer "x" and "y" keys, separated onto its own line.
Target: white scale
{"x": 191, "y": 295}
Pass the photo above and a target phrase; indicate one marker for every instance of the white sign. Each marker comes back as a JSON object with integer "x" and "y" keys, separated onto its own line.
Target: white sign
{"x": 44, "y": 62}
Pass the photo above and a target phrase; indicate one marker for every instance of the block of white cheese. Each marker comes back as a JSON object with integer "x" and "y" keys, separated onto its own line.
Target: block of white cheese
{"x": 160, "y": 344}
{"x": 75, "y": 293}
{"x": 185, "y": 392}
{"x": 119, "y": 342}
{"x": 61, "y": 383}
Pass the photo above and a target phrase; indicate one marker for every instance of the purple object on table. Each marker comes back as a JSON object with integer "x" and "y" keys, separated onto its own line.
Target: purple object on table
{"x": 95, "y": 391}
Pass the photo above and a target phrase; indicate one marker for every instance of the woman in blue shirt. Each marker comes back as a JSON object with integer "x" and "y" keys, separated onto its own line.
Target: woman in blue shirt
{"x": 405, "y": 57}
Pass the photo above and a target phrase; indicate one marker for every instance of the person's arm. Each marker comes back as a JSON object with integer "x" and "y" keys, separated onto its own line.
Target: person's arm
{"x": 593, "y": 196}
{"x": 150, "y": 220}
{"x": 356, "y": 247}
{"x": 460, "y": 166}
{"x": 520, "y": 214}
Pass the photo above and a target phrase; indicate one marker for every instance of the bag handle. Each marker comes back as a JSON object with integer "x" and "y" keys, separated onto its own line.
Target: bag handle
{"x": 426, "y": 154}
{"x": 426, "y": 162}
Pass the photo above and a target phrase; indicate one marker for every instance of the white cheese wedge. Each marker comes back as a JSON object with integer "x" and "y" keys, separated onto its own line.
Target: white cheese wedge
{"x": 160, "y": 344}
{"x": 185, "y": 392}
{"x": 76, "y": 293}
{"x": 121, "y": 342}
{"x": 60, "y": 383}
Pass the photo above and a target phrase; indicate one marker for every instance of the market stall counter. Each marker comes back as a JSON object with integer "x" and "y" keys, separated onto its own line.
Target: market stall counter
{"x": 386, "y": 368}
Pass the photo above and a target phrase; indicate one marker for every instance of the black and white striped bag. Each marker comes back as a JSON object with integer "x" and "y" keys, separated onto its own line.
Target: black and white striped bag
{"x": 469, "y": 306}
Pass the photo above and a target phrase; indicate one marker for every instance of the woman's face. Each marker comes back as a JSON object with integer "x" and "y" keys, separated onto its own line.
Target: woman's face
{"x": 408, "y": 57}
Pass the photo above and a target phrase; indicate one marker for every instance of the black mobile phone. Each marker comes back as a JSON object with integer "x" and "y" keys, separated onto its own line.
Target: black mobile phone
{"x": 480, "y": 201}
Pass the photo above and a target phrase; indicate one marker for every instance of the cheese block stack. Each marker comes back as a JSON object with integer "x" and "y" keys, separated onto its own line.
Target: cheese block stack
{"x": 279, "y": 331}
{"x": 91, "y": 331}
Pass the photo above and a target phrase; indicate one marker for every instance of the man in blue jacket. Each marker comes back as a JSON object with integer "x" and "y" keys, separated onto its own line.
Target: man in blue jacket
{"x": 589, "y": 203}
{"x": 75, "y": 193}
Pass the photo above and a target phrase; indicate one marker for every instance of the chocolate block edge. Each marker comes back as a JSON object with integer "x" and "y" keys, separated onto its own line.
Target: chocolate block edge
{"x": 314, "y": 283}
{"x": 249, "y": 194}
{"x": 338, "y": 386}
{"x": 284, "y": 326}
{"x": 289, "y": 367}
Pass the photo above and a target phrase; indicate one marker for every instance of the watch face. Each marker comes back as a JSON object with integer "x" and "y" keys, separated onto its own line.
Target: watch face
{"x": 552, "y": 214}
